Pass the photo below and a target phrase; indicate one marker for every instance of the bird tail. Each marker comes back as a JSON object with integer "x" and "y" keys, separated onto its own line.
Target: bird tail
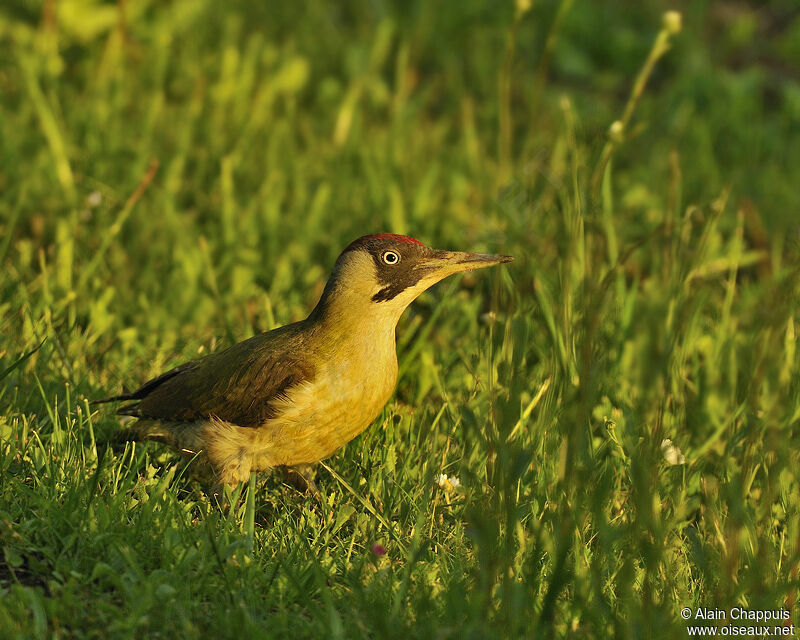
{"x": 184, "y": 437}
{"x": 124, "y": 396}
{"x": 141, "y": 430}
{"x": 143, "y": 391}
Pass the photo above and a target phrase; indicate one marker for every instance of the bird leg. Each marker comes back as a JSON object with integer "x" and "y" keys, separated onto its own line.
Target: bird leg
{"x": 301, "y": 477}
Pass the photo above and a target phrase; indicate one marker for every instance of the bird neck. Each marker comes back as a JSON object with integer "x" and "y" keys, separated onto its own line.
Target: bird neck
{"x": 350, "y": 312}
{"x": 347, "y": 308}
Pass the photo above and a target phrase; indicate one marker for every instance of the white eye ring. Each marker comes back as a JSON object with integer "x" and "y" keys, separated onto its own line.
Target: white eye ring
{"x": 390, "y": 257}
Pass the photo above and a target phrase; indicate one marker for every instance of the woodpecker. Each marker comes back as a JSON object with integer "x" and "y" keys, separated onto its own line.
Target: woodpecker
{"x": 294, "y": 395}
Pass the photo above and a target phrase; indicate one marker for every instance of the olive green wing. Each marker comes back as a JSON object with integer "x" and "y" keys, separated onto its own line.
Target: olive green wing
{"x": 238, "y": 385}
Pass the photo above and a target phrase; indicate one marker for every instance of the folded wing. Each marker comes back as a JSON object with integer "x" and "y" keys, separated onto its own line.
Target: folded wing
{"x": 238, "y": 385}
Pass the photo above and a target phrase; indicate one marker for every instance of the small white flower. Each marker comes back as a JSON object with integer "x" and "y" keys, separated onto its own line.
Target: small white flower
{"x": 94, "y": 199}
{"x": 672, "y": 454}
{"x": 448, "y": 483}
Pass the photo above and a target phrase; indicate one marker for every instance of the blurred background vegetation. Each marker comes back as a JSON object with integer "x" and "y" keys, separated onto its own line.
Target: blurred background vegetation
{"x": 177, "y": 175}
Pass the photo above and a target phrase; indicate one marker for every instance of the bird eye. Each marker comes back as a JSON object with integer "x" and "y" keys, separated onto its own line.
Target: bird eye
{"x": 390, "y": 257}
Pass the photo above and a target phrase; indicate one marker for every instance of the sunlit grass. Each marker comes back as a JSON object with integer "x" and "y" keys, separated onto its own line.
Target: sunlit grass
{"x": 182, "y": 179}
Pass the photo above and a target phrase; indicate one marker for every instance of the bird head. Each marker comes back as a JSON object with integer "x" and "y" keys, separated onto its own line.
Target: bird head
{"x": 384, "y": 272}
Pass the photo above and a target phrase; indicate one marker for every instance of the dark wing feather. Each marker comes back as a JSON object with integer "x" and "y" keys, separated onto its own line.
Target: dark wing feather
{"x": 146, "y": 388}
{"x": 238, "y": 385}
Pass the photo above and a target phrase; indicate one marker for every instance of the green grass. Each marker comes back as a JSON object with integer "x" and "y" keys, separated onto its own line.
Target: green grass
{"x": 184, "y": 177}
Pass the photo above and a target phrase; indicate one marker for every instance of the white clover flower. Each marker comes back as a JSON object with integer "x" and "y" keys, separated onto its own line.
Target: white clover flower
{"x": 450, "y": 483}
{"x": 672, "y": 454}
{"x": 94, "y": 199}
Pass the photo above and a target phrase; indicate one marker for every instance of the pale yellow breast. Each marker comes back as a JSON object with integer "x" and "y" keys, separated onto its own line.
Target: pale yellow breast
{"x": 317, "y": 418}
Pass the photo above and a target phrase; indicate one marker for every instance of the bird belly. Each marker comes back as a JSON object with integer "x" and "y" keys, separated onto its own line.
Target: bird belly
{"x": 320, "y": 417}
{"x": 313, "y": 419}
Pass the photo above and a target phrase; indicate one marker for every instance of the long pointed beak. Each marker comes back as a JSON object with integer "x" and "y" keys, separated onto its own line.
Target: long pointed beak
{"x": 441, "y": 264}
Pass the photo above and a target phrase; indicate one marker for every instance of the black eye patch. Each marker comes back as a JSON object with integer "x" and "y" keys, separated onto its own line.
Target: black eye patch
{"x": 398, "y": 276}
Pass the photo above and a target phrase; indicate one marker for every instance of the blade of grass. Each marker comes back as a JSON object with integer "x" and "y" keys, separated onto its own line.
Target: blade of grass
{"x": 7, "y": 371}
{"x": 389, "y": 529}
